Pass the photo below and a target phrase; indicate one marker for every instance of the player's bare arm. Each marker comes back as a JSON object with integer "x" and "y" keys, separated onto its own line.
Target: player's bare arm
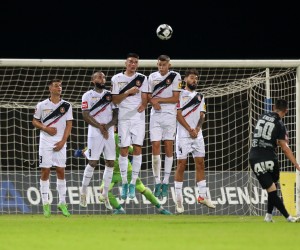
{"x": 288, "y": 152}
{"x": 149, "y": 96}
{"x": 144, "y": 102}
{"x": 59, "y": 145}
{"x": 114, "y": 120}
{"x": 200, "y": 122}
{"x": 173, "y": 99}
{"x": 49, "y": 130}
{"x": 91, "y": 120}
{"x": 154, "y": 104}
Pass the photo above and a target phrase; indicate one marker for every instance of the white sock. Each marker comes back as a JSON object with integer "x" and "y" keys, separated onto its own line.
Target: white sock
{"x": 107, "y": 177}
{"x": 269, "y": 215}
{"x": 87, "y": 176}
{"x": 156, "y": 167}
{"x": 61, "y": 187}
{"x": 168, "y": 169}
{"x": 123, "y": 164}
{"x": 44, "y": 189}
{"x": 178, "y": 190}
{"x": 202, "y": 188}
{"x": 136, "y": 167}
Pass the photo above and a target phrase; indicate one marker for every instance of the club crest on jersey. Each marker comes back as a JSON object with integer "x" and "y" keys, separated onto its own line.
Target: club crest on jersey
{"x": 168, "y": 81}
{"x": 62, "y": 110}
{"x": 138, "y": 83}
{"x": 199, "y": 98}
{"x": 108, "y": 98}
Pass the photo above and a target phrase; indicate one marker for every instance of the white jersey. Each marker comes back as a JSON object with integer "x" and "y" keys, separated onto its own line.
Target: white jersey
{"x": 53, "y": 115}
{"x": 128, "y": 107}
{"x": 190, "y": 104}
{"x": 163, "y": 87}
{"x": 100, "y": 107}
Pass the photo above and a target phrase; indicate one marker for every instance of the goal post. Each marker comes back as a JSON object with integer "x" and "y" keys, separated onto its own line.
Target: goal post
{"x": 236, "y": 93}
{"x": 298, "y": 139}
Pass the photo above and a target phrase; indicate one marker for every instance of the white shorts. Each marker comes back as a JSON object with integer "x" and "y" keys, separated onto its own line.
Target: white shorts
{"x": 162, "y": 127}
{"x": 98, "y": 145}
{"x": 187, "y": 145}
{"x": 131, "y": 132}
{"x": 49, "y": 158}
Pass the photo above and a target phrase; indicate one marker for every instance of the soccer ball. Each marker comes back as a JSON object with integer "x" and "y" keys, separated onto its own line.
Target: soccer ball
{"x": 164, "y": 31}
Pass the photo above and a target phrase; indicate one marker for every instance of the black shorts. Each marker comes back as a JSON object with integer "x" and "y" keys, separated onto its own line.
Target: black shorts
{"x": 265, "y": 167}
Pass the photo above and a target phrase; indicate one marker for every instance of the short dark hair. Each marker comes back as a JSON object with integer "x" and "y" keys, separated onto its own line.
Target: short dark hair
{"x": 134, "y": 55}
{"x": 191, "y": 72}
{"x": 281, "y": 104}
{"x": 54, "y": 80}
{"x": 94, "y": 75}
{"x": 164, "y": 58}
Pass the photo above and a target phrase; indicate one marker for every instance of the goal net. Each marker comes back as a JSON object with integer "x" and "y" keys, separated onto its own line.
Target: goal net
{"x": 235, "y": 92}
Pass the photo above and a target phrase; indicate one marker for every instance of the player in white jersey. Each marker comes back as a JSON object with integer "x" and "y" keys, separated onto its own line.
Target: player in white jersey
{"x": 164, "y": 90}
{"x": 130, "y": 91}
{"x": 191, "y": 111}
{"x": 53, "y": 117}
{"x": 101, "y": 115}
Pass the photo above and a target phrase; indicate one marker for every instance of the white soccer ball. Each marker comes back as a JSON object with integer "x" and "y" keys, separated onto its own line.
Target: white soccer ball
{"x": 164, "y": 31}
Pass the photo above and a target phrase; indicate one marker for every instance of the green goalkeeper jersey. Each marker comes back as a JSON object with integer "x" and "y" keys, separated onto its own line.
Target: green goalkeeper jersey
{"x": 116, "y": 163}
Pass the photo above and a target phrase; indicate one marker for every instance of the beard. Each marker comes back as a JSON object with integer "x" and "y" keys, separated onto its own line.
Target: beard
{"x": 100, "y": 85}
{"x": 191, "y": 86}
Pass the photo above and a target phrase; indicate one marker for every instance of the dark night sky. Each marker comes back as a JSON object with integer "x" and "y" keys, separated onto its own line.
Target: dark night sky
{"x": 109, "y": 30}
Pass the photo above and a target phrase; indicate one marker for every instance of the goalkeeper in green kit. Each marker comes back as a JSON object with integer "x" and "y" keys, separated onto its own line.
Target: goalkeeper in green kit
{"x": 116, "y": 178}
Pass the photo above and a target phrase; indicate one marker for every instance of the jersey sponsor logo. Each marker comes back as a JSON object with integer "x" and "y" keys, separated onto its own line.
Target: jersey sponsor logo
{"x": 185, "y": 99}
{"x": 121, "y": 85}
{"x": 84, "y": 105}
{"x": 263, "y": 167}
{"x": 46, "y": 112}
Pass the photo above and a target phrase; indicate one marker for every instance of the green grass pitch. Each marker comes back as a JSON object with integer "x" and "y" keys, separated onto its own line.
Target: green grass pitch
{"x": 155, "y": 232}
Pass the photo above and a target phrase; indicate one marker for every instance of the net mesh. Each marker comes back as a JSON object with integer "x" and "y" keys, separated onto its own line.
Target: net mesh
{"x": 234, "y": 98}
